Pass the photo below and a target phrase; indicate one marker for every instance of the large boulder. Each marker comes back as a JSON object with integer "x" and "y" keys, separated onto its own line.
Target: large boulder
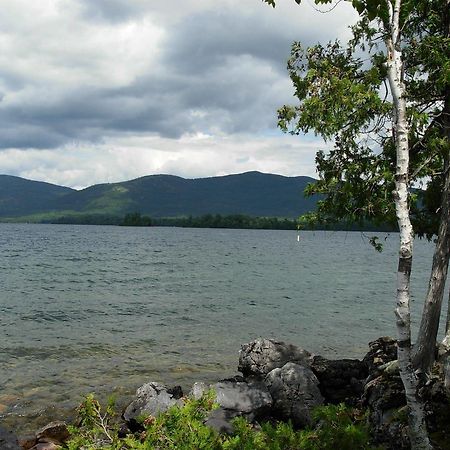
{"x": 295, "y": 392}
{"x": 151, "y": 399}
{"x": 259, "y": 357}
{"x": 340, "y": 380}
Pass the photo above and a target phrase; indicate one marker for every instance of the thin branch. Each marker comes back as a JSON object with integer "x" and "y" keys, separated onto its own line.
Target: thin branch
{"x": 417, "y": 171}
{"x": 325, "y": 12}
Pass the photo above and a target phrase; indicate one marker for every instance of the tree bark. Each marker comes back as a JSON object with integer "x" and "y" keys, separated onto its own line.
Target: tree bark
{"x": 425, "y": 350}
{"x": 446, "y": 345}
{"x": 417, "y": 427}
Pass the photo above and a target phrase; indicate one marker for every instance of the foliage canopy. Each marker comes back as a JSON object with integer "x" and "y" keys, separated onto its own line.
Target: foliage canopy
{"x": 344, "y": 98}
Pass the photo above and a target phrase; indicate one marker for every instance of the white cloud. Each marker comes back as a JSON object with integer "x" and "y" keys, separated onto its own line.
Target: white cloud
{"x": 190, "y": 157}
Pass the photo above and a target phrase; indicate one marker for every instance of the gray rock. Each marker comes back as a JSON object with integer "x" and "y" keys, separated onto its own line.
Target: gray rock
{"x": 151, "y": 399}
{"x": 220, "y": 420}
{"x": 295, "y": 392}
{"x": 237, "y": 397}
{"x": 251, "y": 399}
{"x": 8, "y": 441}
{"x": 259, "y": 357}
{"x": 198, "y": 389}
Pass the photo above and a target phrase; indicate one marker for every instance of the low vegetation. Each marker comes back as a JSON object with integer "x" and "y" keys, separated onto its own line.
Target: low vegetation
{"x": 183, "y": 428}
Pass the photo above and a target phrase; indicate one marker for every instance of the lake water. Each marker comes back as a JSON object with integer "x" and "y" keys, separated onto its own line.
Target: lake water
{"x": 105, "y": 309}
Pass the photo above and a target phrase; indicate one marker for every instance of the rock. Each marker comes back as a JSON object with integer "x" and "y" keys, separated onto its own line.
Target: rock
{"x": 250, "y": 399}
{"x": 46, "y": 446}
{"x": 27, "y": 442}
{"x": 151, "y": 399}
{"x": 237, "y": 397}
{"x": 123, "y": 431}
{"x": 8, "y": 440}
{"x": 220, "y": 420}
{"x": 340, "y": 380}
{"x": 176, "y": 392}
{"x": 56, "y": 432}
{"x": 437, "y": 411}
{"x": 295, "y": 392}
{"x": 259, "y": 357}
{"x": 384, "y": 397}
{"x": 381, "y": 351}
{"x": 197, "y": 390}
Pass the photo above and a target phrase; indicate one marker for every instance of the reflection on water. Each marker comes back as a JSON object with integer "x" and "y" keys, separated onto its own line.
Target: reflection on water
{"x": 105, "y": 309}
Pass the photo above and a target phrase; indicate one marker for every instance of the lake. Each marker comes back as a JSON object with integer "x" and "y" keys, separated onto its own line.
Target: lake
{"x": 105, "y": 309}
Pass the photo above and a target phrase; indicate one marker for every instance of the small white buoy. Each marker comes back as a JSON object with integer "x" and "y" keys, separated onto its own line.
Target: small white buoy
{"x": 298, "y": 238}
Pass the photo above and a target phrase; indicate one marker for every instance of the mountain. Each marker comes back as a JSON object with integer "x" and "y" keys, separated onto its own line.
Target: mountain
{"x": 251, "y": 193}
{"x": 23, "y": 197}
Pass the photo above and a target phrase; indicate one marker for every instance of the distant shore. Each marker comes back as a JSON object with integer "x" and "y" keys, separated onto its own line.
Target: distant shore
{"x": 230, "y": 221}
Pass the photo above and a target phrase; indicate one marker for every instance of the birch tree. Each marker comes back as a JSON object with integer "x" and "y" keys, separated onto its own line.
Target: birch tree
{"x": 388, "y": 118}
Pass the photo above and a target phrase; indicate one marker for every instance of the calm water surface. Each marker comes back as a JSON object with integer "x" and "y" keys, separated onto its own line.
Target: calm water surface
{"x": 105, "y": 309}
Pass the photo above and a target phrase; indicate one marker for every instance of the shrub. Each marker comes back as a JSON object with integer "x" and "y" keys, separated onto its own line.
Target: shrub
{"x": 183, "y": 428}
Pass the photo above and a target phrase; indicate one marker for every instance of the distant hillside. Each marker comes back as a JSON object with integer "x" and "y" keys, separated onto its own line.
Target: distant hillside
{"x": 22, "y": 197}
{"x": 251, "y": 193}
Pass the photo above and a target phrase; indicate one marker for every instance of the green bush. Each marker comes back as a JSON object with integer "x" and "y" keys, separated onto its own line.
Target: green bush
{"x": 337, "y": 428}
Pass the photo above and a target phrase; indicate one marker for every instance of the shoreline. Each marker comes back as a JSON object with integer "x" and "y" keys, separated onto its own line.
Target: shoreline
{"x": 263, "y": 393}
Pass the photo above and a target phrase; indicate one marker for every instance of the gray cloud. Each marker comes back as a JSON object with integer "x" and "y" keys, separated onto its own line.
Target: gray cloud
{"x": 216, "y": 70}
{"x": 78, "y": 73}
{"x": 113, "y": 11}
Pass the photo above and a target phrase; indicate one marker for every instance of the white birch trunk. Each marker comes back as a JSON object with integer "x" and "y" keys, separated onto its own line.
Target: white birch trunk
{"x": 417, "y": 428}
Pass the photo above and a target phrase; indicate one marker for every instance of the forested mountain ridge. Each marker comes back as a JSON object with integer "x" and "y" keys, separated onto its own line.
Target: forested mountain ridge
{"x": 19, "y": 196}
{"x": 250, "y": 193}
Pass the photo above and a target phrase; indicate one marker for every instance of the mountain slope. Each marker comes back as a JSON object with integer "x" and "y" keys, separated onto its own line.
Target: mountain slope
{"x": 251, "y": 193}
{"x": 19, "y": 196}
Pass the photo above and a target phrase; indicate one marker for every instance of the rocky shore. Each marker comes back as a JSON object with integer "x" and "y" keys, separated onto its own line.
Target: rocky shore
{"x": 281, "y": 381}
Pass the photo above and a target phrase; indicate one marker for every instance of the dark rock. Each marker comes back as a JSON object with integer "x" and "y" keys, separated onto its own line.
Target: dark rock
{"x": 381, "y": 351}
{"x": 340, "y": 380}
{"x": 251, "y": 399}
{"x": 56, "y": 432}
{"x": 295, "y": 392}
{"x": 176, "y": 392}
{"x": 123, "y": 431}
{"x": 437, "y": 412}
{"x": 151, "y": 399}
{"x": 234, "y": 379}
{"x": 259, "y": 357}
{"x": 8, "y": 441}
{"x": 384, "y": 397}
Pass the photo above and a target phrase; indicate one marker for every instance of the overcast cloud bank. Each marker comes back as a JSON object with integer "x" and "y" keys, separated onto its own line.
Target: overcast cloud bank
{"x": 115, "y": 89}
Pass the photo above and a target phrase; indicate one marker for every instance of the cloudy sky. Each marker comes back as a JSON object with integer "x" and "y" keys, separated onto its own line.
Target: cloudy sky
{"x": 96, "y": 91}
